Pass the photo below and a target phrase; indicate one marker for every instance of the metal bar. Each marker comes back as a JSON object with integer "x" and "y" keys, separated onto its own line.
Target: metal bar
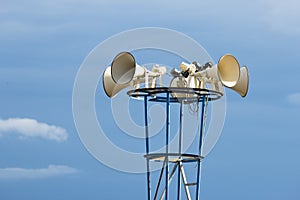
{"x": 147, "y": 146}
{"x": 180, "y": 148}
{"x": 200, "y": 147}
{"x": 170, "y": 178}
{"x": 198, "y": 180}
{"x": 159, "y": 180}
{"x": 180, "y": 127}
{"x": 191, "y": 184}
{"x": 167, "y": 144}
{"x": 186, "y": 187}
{"x": 178, "y": 184}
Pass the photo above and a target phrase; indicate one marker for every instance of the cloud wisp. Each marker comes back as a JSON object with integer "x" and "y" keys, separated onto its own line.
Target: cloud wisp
{"x": 30, "y": 128}
{"x": 40, "y": 173}
{"x": 294, "y": 98}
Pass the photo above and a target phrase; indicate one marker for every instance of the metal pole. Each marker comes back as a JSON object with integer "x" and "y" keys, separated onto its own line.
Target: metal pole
{"x": 147, "y": 146}
{"x": 180, "y": 148}
{"x": 167, "y": 143}
{"x": 159, "y": 180}
{"x": 180, "y": 127}
{"x": 200, "y": 146}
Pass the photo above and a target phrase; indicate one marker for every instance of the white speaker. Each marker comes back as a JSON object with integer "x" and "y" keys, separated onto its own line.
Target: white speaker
{"x": 227, "y": 71}
{"x": 111, "y": 88}
{"x": 124, "y": 72}
{"x": 242, "y": 85}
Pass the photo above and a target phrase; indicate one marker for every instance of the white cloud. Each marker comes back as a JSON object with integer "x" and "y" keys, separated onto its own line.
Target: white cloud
{"x": 31, "y": 128}
{"x": 294, "y": 98}
{"x": 23, "y": 173}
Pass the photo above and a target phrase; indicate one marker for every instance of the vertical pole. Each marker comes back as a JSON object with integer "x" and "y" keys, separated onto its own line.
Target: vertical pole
{"x": 200, "y": 147}
{"x": 167, "y": 143}
{"x": 180, "y": 148}
{"x": 147, "y": 146}
{"x": 180, "y": 127}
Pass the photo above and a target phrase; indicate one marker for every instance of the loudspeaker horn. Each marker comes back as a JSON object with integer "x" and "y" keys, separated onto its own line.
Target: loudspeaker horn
{"x": 111, "y": 88}
{"x": 124, "y": 68}
{"x": 227, "y": 71}
{"x": 124, "y": 72}
{"x": 242, "y": 85}
{"x": 118, "y": 76}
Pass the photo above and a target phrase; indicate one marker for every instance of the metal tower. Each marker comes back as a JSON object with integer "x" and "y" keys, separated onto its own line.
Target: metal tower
{"x": 172, "y": 162}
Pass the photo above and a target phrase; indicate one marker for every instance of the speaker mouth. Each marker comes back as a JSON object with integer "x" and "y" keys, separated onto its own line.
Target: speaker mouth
{"x": 107, "y": 82}
{"x": 247, "y": 84}
{"x": 111, "y": 88}
{"x": 243, "y": 84}
{"x": 123, "y": 68}
{"x": 228, "y": 70}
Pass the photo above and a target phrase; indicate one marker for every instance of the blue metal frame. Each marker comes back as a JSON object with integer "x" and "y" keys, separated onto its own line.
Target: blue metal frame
{"x": 167, "y": 144}
{"x": 152, "y": 95}
{"x": 147, "y": 145}
{"x": 179, "y": 149}
{"x": 200, "y": 147}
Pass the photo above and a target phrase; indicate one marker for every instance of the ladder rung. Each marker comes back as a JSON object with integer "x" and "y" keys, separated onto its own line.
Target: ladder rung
{"x": 190, "y": 184}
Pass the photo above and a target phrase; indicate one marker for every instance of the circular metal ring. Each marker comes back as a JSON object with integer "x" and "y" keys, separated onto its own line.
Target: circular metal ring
{"x": 173, "y": 157}
{"x": 192, "y": 94}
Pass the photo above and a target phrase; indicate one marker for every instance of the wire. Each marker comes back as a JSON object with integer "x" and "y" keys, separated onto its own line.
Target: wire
{"x": 194, "y": 108}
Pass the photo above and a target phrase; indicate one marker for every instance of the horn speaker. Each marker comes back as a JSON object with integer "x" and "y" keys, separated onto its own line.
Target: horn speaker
{"x": 242, "y": 85}
{"x": 124, "y": 70}
{"x": 111, "y": 88}
{"x": 227, "y": 71}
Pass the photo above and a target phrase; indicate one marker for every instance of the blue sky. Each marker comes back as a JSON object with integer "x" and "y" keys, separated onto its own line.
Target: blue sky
{"x": 43, "y": 44}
